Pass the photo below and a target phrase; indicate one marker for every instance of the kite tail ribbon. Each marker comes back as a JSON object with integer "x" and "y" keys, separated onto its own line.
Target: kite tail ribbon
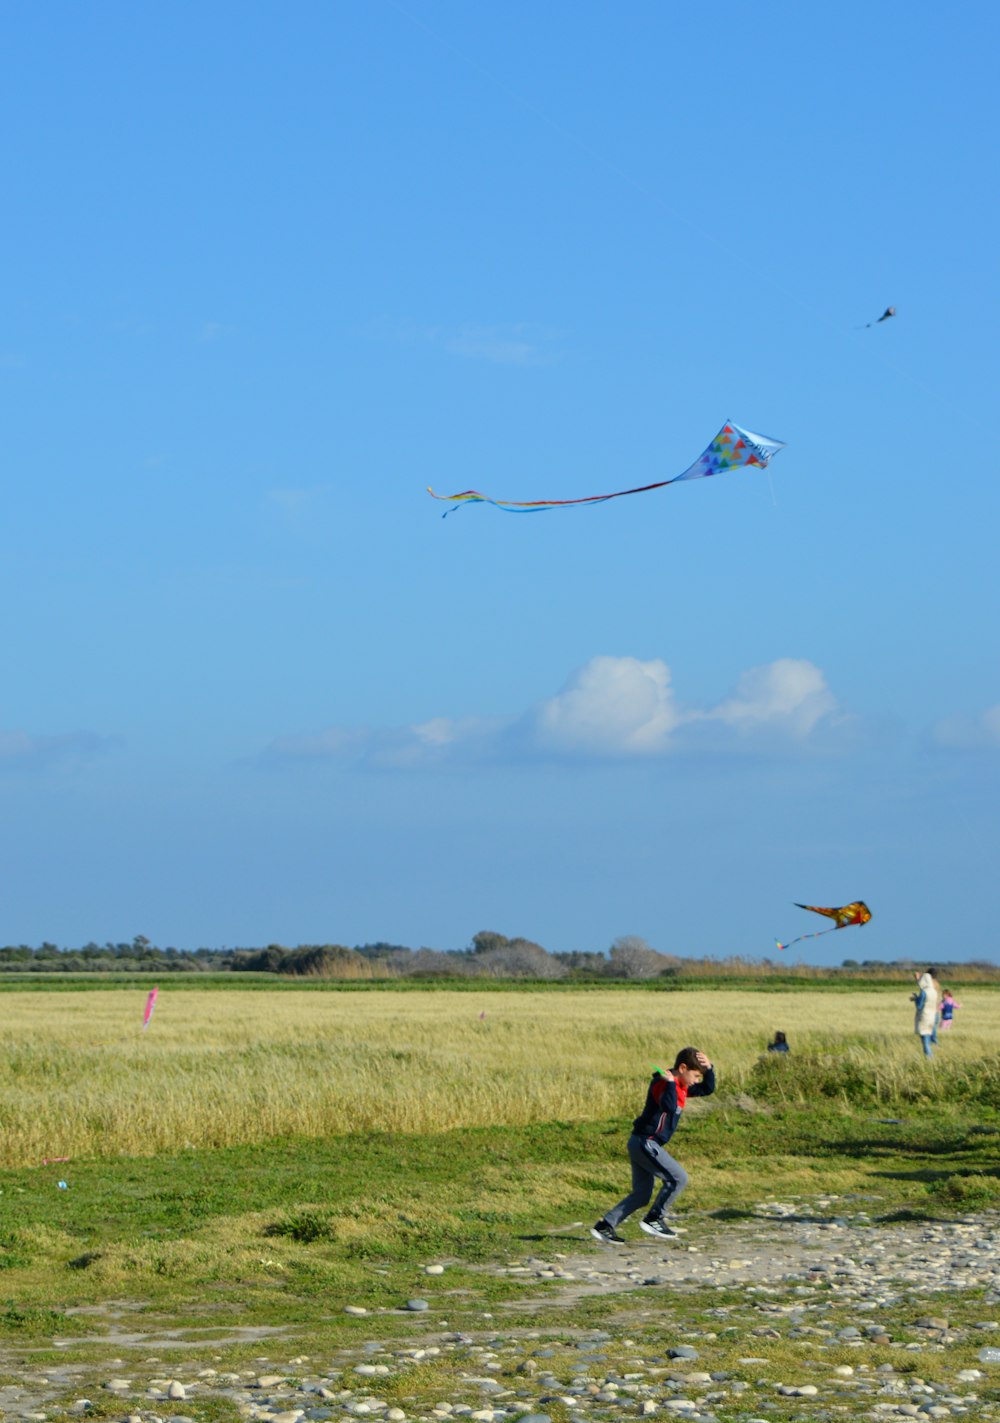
{"x": 817, "y": 935}
{"x": 732, "y": 448}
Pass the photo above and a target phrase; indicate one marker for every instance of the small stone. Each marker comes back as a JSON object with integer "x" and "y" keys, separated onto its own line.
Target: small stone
{"x": 433, "y": 1269}
{"x": 396, "y": 1415}
{"x": 355, "y": 1309}
{"x": 682, "y": 1351}
{"x": 989, "y": 1355}
{"x": 270, "y": 1380}
{"x": 417, "y": 1305}
{"x": 118, "y": 1385}
{"x": 176, "y": 1389}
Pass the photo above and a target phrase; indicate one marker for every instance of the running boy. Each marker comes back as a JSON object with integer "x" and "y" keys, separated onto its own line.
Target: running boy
{"x": 692, "y": 1076}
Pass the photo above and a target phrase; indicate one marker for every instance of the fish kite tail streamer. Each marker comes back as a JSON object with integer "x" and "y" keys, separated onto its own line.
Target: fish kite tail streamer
{"x": 780, "y": 945}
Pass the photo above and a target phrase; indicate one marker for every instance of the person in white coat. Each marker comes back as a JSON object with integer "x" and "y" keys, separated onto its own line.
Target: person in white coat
{"x": 926, "y": 1001}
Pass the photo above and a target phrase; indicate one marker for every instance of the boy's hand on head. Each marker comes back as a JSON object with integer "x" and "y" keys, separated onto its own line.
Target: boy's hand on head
{"x": 703, "y": 1060}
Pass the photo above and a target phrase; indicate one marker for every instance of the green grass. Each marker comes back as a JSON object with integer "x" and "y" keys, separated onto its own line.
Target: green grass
{"x": 283, "y": 1234}
{"x": 193, "y": 981}
{"x": 285, "y": 1230}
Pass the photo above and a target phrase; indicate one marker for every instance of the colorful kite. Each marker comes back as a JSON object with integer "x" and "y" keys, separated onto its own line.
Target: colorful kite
{"x": 732, "y": 448}
{"x": 150, "y": 1005}
{"x": 856, "y": 913}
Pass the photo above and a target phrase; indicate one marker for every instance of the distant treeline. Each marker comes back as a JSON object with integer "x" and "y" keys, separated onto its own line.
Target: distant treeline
{"x": 489, "y": 955}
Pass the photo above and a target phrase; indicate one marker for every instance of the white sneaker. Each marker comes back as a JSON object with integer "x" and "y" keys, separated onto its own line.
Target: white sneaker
{"x": 659, "y": 1228}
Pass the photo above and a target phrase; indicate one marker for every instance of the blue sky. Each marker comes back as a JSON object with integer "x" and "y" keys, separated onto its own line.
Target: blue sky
{"x": 270, "y": 272}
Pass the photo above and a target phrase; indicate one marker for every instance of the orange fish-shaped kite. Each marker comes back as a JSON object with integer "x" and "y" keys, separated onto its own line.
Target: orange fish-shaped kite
{"x": 854, "y": 913}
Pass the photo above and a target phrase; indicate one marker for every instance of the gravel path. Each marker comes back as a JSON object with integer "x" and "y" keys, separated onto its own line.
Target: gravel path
{"x": 819, "y": 1280}
{"x": 781, "y": 1245}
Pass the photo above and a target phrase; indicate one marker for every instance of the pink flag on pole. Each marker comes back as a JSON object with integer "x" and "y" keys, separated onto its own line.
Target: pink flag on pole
{"x": 150, "y": 1005}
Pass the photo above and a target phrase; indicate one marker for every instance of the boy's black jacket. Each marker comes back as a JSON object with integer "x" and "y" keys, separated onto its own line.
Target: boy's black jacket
{"x": 661, "y": 1115}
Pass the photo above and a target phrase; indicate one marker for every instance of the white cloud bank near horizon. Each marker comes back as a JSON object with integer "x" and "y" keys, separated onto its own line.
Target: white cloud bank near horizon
{"x": 970, "y": 733}
{"x": 21, "y": 749}
{"x": 611, "y": 708}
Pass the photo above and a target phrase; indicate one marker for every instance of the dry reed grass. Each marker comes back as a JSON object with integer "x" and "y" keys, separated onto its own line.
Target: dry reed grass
{"x": 78, "y": 1077}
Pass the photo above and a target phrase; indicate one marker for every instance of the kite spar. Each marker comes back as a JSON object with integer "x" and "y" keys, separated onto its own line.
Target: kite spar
{"x": 732, "y": 448}
{"x": 855, "y": 913}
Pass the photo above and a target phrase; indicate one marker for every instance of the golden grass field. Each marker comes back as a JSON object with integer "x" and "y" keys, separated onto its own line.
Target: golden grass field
{"x": 79, "y": 1077}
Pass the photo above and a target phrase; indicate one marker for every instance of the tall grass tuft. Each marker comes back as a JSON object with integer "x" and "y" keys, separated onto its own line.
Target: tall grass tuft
{"x": 872, "y": 1076}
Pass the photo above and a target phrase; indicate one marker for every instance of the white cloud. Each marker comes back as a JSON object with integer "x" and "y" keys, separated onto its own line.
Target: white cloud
{"x": 790, "y": 694}
{"x": 614, "y": 706}
{"x": 968, "y": 733}
{"x": 422, "y": 744}
{"x": 20, "y": 749}
{"x": 334, "y": 742}
{"x": 296, "y": 507}
{"x": 516, "y": 344}
{"x": 611, "y": 708}
{"x": 505, "y": 346}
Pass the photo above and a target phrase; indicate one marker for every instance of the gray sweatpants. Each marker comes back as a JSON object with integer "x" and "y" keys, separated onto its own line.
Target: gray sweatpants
{"x": 646, "y": 1171}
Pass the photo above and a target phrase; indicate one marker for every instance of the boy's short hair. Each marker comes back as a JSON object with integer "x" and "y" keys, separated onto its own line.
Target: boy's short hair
{"x": 688, "y": 1057}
